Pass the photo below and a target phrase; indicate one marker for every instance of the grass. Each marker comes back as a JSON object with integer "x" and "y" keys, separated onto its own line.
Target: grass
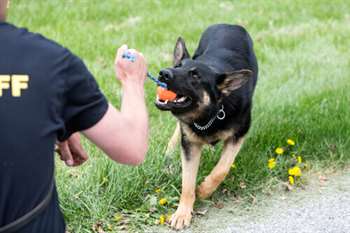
{"x": 303, "y": 49}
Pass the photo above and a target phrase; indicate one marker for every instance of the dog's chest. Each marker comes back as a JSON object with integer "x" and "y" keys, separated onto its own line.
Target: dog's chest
{"x": 210, "y": 139}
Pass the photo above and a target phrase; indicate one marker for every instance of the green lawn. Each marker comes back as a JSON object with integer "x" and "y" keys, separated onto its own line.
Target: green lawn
{"x": 303, "y": 49}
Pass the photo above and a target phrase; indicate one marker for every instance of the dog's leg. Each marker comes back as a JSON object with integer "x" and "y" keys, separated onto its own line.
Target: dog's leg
{"x": 173, "y": 141}
{"x": 190, "y": 158}
{"x": 218, "y": 174}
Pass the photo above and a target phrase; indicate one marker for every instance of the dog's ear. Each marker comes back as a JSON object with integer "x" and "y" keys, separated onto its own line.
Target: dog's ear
{"x": 229, "y": 82}
{"x": 180, "y": 52}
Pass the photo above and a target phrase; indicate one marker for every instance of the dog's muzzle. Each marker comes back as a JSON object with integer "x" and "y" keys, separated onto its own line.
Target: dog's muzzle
{"x": 166, "y": 75}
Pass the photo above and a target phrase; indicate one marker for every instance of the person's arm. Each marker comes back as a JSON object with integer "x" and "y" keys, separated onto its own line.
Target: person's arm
{"x": 123, "y": 135}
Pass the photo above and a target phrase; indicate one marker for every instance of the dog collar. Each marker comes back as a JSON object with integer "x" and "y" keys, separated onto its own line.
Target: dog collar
{"x": 220, "y": 115}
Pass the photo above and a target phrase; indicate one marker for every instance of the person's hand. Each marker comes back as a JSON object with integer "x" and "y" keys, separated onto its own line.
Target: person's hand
{"x": 134, "y": 70}
{"x": 71, "y": 151}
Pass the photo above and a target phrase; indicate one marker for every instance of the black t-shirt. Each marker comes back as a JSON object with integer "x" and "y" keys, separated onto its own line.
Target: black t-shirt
{"x": 46, "y": 94}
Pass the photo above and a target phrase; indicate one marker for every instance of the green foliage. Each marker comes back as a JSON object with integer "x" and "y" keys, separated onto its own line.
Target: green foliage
{"x": 303, "y": 49}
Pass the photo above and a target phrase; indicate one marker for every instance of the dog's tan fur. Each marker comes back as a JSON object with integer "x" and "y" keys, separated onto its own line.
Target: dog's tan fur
{"x": 188, "y": 117}
{"x": 193, "y": 138}
{"x": 220, "y": 171}
{"x": 183, "y": 216}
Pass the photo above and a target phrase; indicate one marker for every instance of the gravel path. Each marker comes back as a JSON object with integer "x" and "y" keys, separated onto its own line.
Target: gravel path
{"x": 324, "y": 207}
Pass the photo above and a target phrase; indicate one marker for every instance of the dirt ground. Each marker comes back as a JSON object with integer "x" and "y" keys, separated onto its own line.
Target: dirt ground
{"x": 322, "y": 207}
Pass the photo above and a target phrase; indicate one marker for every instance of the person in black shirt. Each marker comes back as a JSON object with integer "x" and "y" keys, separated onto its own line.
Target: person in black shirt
{"x": 48, "y": 94}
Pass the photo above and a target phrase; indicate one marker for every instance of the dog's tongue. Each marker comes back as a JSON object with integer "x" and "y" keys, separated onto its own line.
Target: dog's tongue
{"x": 164, "y": 94}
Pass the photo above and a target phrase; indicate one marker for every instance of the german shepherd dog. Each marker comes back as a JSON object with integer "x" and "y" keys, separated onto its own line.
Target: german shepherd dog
{"x": 214, "y": 100}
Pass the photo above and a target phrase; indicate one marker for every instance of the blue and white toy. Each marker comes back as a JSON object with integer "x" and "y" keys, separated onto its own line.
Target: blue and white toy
{"x": 131, "y": 57}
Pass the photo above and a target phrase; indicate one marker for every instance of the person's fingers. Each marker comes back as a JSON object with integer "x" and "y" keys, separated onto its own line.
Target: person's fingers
{"x": 78, "y": 153}
{"x": 118, "y": 60}
{"x": 138, "y": 54}
{"x": 78, "y": 162}
{"x": 134, "y": 53}
{"x": 79, "y": 150}
{"x": 121, "y": 51}
{"x": 130, "y": 67}
{"x": 66, "y": 154}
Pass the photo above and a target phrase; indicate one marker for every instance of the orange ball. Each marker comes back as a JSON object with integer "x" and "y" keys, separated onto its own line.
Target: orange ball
{"x": 165, "y": 94}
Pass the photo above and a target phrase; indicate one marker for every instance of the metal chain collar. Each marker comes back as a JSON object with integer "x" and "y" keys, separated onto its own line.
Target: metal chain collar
{"x": 220, "y": 115}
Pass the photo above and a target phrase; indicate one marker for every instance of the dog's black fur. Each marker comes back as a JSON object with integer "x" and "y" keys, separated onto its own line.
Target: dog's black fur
{"x": 221, "y": 74}
{"x": 224, "y": 50}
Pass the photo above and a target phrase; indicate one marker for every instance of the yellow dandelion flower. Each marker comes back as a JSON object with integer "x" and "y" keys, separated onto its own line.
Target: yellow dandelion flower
{"x": 279, "y": 150}
{"x": 162, "y": 219}
{"x": 291, "y": 180}
{"x": 157, "y": 190}
{"x": 117, "y": 217}
{"x": 300, "y": 160}
{"x": 295, "y": 171}
{"x": 163, "y": 201}
{"x": 290, "y": 142}
{"x": 271, "y": 163}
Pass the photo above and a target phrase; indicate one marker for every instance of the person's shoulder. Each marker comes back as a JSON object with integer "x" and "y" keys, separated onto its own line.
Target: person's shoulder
{"x": 37, "y": 42}
{"x": 44, "y": 44}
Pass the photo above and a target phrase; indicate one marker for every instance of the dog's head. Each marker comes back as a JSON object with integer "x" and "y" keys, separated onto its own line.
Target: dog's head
{"x": 198, "y": 86}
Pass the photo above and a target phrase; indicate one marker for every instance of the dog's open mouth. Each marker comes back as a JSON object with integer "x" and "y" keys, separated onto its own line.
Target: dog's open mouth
{"x": 181, "y": 101}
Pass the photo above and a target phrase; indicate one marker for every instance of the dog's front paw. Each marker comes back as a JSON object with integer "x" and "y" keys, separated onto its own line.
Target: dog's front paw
{"x": 181, "y": 218}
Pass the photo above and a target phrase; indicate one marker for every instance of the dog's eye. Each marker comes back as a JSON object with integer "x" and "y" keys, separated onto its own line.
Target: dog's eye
{"x": 194, "y": 74}
{"x": 178, "y": 65}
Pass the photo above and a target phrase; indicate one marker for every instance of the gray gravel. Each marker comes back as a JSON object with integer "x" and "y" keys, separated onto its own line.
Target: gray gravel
{"x": 325, "y": 210}
{"x": 323, "y": 207}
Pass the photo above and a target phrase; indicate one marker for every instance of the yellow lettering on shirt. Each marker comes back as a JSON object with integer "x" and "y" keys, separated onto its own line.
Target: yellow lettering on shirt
{"x": 18, "y": 84}
{"x": 4, "y": 83}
